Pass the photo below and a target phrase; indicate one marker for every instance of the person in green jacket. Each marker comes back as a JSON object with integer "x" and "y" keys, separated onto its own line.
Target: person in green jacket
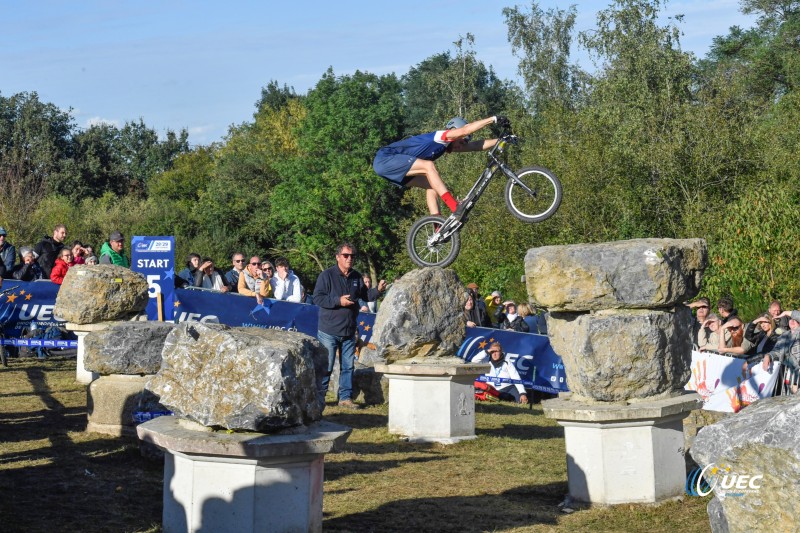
{"x": 112, "y": 252}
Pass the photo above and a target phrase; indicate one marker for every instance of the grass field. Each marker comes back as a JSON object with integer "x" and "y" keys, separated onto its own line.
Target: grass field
{"x": 55, "y": 477}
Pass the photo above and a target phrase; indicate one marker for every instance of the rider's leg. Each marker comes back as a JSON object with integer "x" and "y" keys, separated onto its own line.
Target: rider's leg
{"x": 427, "y": 177}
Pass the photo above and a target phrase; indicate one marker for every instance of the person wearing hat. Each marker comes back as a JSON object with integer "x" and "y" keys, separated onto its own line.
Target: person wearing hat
{"x": 111, "y": 253}
{"x": 28, "y": 269}
{"x": 492, "y": 305}
{"x": 507, "y": 318}
{"x": 8, "y": 255}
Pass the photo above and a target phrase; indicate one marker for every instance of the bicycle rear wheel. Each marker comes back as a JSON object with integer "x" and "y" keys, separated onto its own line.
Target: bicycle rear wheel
{"x": 423, "y": 254}
{"x": 541, "y": 199}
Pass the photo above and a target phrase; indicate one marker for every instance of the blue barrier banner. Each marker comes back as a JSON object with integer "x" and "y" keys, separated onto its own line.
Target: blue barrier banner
{"x": 154, "y": 257}
{"x": 538, "y": 365}
{"x": 23, "y": 302}
{"x": 243, "y": 311}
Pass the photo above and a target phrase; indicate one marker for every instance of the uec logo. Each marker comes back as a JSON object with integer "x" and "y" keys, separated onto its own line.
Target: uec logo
{"x": 702, "y": 481}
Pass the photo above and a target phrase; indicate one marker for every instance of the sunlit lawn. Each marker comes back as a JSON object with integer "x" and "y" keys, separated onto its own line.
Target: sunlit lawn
{"x": 55, "y": 477}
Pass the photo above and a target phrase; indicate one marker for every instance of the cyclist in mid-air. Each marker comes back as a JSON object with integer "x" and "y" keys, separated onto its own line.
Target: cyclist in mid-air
{"x": 409, "y": 162}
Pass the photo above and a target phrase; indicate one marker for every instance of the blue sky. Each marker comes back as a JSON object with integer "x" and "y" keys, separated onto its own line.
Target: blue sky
{"x": 200, "y": 65}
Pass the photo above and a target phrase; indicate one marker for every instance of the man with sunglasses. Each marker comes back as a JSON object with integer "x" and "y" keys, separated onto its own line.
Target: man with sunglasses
{"x": 232, "y": 275}
{"x": 251, "y": 278}
{"x": 336, "y": 293}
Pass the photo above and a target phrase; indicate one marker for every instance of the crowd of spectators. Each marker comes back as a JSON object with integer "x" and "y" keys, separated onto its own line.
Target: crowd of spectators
{"x": 772, "y": 336}
{"x": 52, "y": 257}
{"x": 493, "y": 312}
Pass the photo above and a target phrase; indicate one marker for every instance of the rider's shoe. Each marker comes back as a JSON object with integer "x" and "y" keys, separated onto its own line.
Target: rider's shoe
{"x": 460, "y": 208}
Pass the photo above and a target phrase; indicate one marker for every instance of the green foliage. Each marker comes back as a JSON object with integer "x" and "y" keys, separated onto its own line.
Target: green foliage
{"x": 329, "y": 193}
{"x": 543, "y": 41}
{"x": 653, "y": 144}
{"x": 443, "y": 86}
{"x": 755, "y": 253}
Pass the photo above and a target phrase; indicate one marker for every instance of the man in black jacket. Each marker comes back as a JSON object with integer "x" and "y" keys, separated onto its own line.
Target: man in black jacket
{"x": 48, "y": 249}
{"x": 336, "y": 293}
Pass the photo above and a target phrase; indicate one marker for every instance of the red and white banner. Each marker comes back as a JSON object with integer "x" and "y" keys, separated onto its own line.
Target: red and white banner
{"x": 725, "y": 385}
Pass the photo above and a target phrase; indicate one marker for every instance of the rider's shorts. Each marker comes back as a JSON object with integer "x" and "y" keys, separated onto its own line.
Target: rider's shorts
{"x": 393, "y": 166}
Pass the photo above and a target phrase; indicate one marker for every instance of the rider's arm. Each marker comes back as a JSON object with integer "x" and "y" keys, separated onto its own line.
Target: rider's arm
{"x": 469, "y": 129}
{"x": 473, "y": 146}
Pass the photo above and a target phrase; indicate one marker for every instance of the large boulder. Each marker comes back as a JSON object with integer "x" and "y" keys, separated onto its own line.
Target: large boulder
{"x": 239, "y": 378}
{"x": 635, "y": 274}
{"x": 99, "y": 293}
{"x": 617, "y": 355}
{"x": 126, "y": 348}
{"x": 761, "y": 440}
{"x": 421, "y": 317}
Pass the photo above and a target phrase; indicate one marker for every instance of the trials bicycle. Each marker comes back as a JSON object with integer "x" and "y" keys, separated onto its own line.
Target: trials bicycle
{"x": 532, "y": 194}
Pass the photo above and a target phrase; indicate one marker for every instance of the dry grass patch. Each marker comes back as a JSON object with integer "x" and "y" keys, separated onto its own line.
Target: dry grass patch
{"x": 56, "y": 477}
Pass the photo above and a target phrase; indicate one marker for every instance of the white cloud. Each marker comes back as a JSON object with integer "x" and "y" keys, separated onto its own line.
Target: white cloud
{"x": 97, "y": 121}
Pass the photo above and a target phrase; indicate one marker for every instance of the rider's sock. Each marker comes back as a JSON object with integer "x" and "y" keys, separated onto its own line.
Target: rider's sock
{"x": 451, "y": 203}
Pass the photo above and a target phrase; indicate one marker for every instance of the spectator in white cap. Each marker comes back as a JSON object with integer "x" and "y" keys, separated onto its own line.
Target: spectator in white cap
{"x": 112, "y": 252}
{"x": 29, "y": 269}
{"x": 493, "y": 303}
{"x": 8, "y": 255}
{"x": 507, "y": 318}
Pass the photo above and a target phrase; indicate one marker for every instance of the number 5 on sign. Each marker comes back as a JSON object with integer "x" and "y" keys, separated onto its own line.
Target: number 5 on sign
{"x": 153, "y": 285}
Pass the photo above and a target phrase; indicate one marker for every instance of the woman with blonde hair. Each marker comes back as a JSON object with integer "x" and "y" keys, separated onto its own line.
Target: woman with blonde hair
{"x": 528, "y": 317}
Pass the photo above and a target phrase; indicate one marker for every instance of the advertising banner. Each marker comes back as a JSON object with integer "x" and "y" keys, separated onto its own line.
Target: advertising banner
{"x": 154, "y": 257}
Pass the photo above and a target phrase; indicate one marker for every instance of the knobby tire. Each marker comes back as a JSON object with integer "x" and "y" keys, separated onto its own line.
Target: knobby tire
{"x": 442, "y": 254}
{"x": 540, "y": 206}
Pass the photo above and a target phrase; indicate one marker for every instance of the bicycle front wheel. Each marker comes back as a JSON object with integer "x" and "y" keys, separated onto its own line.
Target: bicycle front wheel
{"x": 424, "y": 254}
{"x": 537, "y": 195}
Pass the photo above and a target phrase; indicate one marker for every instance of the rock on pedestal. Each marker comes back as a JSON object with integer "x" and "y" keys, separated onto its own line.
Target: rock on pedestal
{"x": 99, "y": 293}
{"x": 125, "y": 355}
{"x": 81, "y": 330}
{"x": 634, "y": 274}
{"x": 239, "y": 378}
{"x": 617, "y": 320}
{"x": 615, "y": 355}
{"x": 243, "y": 482}
{"x": 624, "y": 453}
{"x": 432, "y": 403}
{"x": 762, "y": 440}
{"x": 421, "y": 318}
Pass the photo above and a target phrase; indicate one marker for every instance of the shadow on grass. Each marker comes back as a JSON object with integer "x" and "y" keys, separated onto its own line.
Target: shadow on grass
{"x": 523, "y": 432}
{"x": 74, "y": 481}
{"x": 505, "y": 408}
{"x": 357, "y": 419}
{"x": 334, "y": 471}
{"x": 515, "y": 508}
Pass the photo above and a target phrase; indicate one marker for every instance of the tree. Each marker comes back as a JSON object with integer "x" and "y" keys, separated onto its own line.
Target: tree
{"x": 543, "y": 41}
{"x": 329, "y": 193}
{"x": 443, "y": 86}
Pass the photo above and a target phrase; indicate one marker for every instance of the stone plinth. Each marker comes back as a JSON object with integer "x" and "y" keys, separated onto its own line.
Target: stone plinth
{"x": 618, "y": 453}
{"x": 111, "y": 402}
{"x": 243, "y": 482}
{"x": 81, "y": 330}
{"x": 432, "y": 402}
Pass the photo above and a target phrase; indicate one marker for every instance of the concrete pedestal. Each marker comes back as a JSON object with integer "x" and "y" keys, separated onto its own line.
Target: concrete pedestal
{"x": 81, "y": 330}
{"x": 432, "y": 403}
{"x": 243, "y": 482}
{"x": 624, "y": 453}
{"x": 111, "y": 401}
